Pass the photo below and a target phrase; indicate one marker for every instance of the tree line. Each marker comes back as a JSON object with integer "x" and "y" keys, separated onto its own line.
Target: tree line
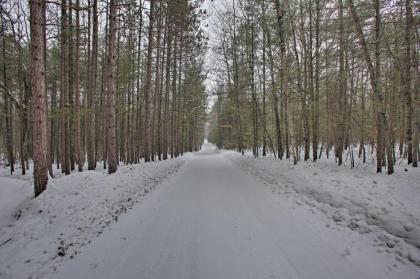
{"x": 88, "y": 81}
{"x": 319, "y": 76}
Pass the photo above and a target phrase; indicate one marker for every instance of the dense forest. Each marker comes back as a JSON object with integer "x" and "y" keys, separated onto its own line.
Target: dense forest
{"x": 209, "y": 139}
{"x": 313, "y": 78}
{"x": 88, "y": 81}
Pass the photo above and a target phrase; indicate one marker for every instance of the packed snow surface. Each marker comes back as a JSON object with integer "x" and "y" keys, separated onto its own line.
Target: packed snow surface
{"x": 216, "y": 214}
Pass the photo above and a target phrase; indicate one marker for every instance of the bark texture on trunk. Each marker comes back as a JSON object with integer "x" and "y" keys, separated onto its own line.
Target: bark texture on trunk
{"x": 38, "y": 97}
{"x": 110, "y": 93}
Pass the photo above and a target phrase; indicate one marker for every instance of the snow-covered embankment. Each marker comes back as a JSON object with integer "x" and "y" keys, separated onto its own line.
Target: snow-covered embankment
{"x": 73, "y": 210}
{"x": 387, "y": 207}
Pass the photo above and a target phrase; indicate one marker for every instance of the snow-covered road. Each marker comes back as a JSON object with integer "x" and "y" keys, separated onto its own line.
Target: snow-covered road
{"x": 213, "y": 221}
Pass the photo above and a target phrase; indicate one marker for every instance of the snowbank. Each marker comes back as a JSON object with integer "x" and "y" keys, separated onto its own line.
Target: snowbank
{"x": 386, "y": 206}
{"x": 13, "y": 191}
{"x": 73, "y": 210}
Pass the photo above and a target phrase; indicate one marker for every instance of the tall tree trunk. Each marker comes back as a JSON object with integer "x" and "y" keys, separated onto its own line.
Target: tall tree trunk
{"x": 39, "y": 140}
{"x": 23, "y": 113}
{"x": 280, "y": 13}
{"x": 236, "y": 76}
{"x": 157, "y": 92}
{"x": 71, "y": 78}
{"x": 315, "y": 127}
{"x": 64, "y": 91}
{"x": 49, "y": 150}
{"x": 274, "y": 96}
{"x": 111, "y": 90}
{"x": 103, "y": 89}
{"x": 253, "y": 89}
{"x": 138, "y": 89}
{"x": 158, "y": 87}
{"x": 416, "y": 116}
{"x": 342, "y": 83}
{"x": 304, "y": 91}
{"x": 174, "y": 91}
{"x": 264, "y": 78}
{"x": 178, "y": 114}
{"x": 406, "y": 82}
{"x": 91, "y": 106}
{"x": 147, "y": 87}
{"x": 167, "y": 89}
{"x": 311, "y": 82}
{"x": 77, "y": 136}
{"x": 7, "y": 106}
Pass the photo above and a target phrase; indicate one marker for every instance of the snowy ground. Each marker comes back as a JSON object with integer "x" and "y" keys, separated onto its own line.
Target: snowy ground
{"x": 13, "y": 191}
{"x": 216, "y": 214}
{"x": 37, "y": 234}
{"x": 387, "y": 208}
